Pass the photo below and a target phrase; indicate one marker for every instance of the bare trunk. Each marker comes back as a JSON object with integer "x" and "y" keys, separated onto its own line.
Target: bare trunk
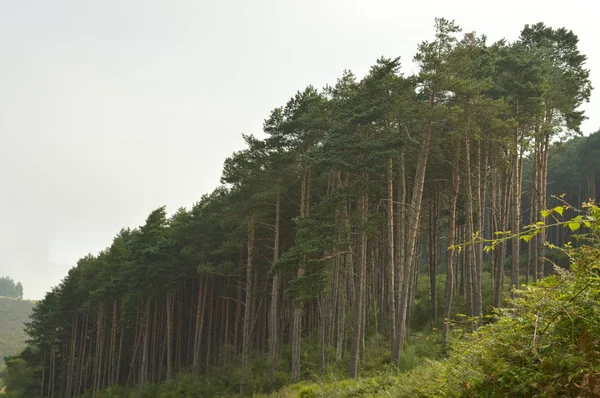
{"x": 413, "y": 220}
{"x": 169, "y": 342}
{"x": 246, "y": 334}
{"x": 297, "y": 314}
{"x": 516, "y": 211}
{"x": 273, "y": 330}
{"x": 451, "y": 239}
{"x": 358, "y": 310}
{"x": 200, "y": 309}
{"x": 71, "y": 366}
{"x": 399, "y": 261}
{"x": 432, "y": 253}
{"x": 391, "y": 254}
{"x": 145, "y": 345}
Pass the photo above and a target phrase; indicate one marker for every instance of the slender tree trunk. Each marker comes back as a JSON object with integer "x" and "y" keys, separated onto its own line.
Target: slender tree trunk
{"x": 118, "y": 368}
{"x": 246, "y": 334}
{"x": 399, "y": 261}
{"x": 358, "y": 311}
{"x": 99, "y": 346}
{"x": 298, "y": 307}
{"x": 209, "y": 345}
{"x": 391, "y": 254}
{"x": 483, "y": 205}
{"x": 516, "y": 211}
{"x": 81, "y": 361}
{"x": 413, "y": 220}
{"x": 543, "y": 202}
{"x": 137, "y": 341}
{"x": 52, "y": 371}
{"x": 42, "y": 389}
{"x": 470, "y": 252}
{"x": 478, "y": 228}
{"x": 238, "y": 315}
{"x": 535, "y": 210}
{"x": 112, "y": 361}
{"x": 273, "y": 321}
{"x": 432, "y": 253}
{"x": 170, "y": 300}
{"x": 71, "y": 367}
{"x": 451, "y": 239}
{"x": 200, "y": 309}
{"x": 145, "y": 345}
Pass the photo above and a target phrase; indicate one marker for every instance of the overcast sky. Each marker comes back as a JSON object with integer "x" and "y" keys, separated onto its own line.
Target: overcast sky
{"x": 110, "y": 109}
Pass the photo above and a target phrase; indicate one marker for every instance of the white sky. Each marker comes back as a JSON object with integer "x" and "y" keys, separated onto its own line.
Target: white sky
{"x": 110, "y": 109}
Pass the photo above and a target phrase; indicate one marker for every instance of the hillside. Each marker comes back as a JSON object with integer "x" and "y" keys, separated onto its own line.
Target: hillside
{"x": 13, "y": 313}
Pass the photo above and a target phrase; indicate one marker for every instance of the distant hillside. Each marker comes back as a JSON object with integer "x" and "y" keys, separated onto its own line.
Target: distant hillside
{"x": 13, "y": 313}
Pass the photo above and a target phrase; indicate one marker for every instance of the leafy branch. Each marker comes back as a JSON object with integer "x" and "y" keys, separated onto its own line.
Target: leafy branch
{"x": 588, "y": 218}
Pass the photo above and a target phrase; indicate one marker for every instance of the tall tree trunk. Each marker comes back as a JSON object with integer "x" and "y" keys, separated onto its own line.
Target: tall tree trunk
{"x": 298, "y": 307}
{"x": 145, "y": 345}
{"x": 117, "y": 374}
{"x": 500, "y": 252}
{"x": 112, "y": 360}
{"x": 478, "y": 216}
{"x": 81, "y": 362}
{"x": 170, "y": 300}
{"x": 413, "y": 220}
{"x": 71, "y": 366}
{"x": 451, "y": 239}
{"x": 516, "y": 210}
{"x": 432, "y": 252}
{"x": 470, "y": 252}
{"x": 359, "y": 307}
{"x": 541, "y": 168}
{"x": 99, "y": 346}
{"x": 399, "y": 261}
{"x": 200, "y": 309}
{"x": 209, "y": 345}
{"x": 273, "y": 321}
{"x": 543, "y": 201}
{"x": 43, "y": 385}
{"x": 391, "y": 277}
{"x": 246, "y": 334}
{"x": 534, "y": 210}
{"x": 238, "y": 315}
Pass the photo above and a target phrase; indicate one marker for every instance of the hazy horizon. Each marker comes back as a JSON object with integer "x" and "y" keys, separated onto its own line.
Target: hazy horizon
{"x": 113, "y": 109}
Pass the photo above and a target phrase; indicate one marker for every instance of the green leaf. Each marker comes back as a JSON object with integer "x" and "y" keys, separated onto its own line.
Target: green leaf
{"x": 526, "y": 238}
{"x": 545, "y": 213}
{"x": 559, "y": 209}
{"x": 588, "y": 224}
{"x": 574, "y": 225}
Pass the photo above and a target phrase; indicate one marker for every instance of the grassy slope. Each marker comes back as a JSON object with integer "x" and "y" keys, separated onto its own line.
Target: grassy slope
{"x": 13, "y": 313}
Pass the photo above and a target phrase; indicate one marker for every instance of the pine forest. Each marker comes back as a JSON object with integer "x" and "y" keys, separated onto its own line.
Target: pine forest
{"x": 369, "y": 217}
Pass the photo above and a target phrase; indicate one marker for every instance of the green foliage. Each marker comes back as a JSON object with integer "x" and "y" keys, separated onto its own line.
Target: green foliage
{"x": 21, "y": 374}
{"x": 546, "y": 344}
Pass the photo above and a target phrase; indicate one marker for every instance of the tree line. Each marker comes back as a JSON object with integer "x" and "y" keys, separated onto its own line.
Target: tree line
{"x": 324, "y": 222}
{"x": 8, "y": 288}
